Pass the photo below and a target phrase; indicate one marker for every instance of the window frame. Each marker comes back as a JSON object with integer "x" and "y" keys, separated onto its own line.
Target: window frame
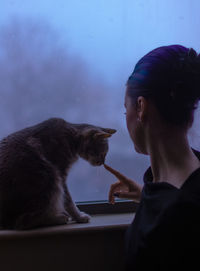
{"x": 104, "y": 207}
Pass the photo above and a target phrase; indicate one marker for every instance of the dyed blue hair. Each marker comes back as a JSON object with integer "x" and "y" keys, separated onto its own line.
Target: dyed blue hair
{"x": 170, "y": 77}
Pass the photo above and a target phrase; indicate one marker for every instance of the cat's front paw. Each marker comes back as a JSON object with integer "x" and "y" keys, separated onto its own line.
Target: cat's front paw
{"x": 83, "y": 218}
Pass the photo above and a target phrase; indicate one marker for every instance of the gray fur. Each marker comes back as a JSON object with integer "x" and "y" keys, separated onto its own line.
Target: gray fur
{"x": 34, "y": 164}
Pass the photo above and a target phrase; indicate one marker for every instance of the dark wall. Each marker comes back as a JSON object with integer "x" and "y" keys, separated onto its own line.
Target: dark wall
{"x": 77, "y": 251}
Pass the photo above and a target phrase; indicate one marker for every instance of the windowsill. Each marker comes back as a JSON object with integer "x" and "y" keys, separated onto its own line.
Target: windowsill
{"x": 97, "y": 223}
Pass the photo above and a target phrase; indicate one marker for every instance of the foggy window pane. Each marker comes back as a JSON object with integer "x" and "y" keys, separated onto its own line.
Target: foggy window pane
{"x": 71, "y": 59}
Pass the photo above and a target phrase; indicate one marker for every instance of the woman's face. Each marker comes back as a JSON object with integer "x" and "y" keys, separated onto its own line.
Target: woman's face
{"x": 134, "y": 125}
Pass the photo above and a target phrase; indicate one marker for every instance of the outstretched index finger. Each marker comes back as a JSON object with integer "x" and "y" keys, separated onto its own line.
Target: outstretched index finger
{"x": 117, "y": 174}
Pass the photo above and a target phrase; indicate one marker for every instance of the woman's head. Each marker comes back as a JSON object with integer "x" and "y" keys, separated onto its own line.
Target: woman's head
{"x": 168, "y": 77}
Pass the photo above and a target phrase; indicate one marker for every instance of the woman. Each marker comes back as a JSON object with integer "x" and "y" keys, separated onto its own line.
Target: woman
{"x": 161, "y": 97}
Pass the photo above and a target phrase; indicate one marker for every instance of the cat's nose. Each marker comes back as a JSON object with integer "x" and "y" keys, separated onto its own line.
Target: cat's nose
{"x": 102, "y": 158}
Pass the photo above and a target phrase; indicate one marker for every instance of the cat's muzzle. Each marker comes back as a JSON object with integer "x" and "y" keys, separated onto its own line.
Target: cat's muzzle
{"x": 97, "y": 163}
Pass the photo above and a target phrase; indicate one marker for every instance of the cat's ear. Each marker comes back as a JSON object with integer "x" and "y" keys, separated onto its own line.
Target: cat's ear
{"x": 101, "y": 135}
{"x": 109, "y": 130}
{"x": 89, "y": 132}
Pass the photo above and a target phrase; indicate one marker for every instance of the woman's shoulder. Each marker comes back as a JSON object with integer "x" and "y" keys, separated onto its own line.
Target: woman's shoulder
{"x": 186, "y": 207}
{"x": 192, "y": 183}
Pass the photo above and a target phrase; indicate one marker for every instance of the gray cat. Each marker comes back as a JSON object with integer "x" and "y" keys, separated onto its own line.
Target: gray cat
{"x": 34, "y": 163}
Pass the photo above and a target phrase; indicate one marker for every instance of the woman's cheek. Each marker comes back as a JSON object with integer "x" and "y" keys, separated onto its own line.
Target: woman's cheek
{"x": 130, "y": 125}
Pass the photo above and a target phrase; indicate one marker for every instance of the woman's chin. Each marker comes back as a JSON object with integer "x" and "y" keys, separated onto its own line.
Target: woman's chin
{"x": 140, "y": 150}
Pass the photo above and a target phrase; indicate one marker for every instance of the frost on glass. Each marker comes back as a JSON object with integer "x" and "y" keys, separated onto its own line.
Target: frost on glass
{"x": 71, "y": 59}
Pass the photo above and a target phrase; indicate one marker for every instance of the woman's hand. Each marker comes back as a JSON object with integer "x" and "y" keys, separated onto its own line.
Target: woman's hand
{"x": 124, "y": 188}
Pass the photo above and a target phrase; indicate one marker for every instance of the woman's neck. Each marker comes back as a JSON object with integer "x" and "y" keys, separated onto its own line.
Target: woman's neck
{"x": 172, "y": 159}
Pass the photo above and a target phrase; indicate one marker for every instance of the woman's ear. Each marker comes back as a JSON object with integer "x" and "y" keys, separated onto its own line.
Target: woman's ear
{"x": 142, "y": 105}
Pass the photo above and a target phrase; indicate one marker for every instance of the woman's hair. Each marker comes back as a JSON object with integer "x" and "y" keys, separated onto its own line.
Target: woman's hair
{"x": 170, "y": 77}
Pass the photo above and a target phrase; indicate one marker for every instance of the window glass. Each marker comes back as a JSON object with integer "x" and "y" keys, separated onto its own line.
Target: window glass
{"x": 71, "y": 59}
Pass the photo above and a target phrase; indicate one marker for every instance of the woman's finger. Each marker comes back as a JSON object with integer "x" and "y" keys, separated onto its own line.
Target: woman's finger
{"x": 117, "y": 174}
{"x": 114, "y": 187}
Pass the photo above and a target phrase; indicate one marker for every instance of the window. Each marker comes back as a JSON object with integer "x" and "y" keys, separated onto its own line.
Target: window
{"x": 72, "y": 58}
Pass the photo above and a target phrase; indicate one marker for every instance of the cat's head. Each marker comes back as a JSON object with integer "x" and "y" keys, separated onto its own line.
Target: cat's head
{"x": 94, "y": 144}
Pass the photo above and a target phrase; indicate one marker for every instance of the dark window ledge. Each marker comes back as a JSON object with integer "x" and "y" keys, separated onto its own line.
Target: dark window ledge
{"x": 104, "y": 207}
{"x": 108, "y": 222}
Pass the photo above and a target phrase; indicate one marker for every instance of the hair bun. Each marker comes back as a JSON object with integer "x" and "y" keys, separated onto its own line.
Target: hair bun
{"x": 192, "y": 54}
{"x": 192, "y": 62}
{"x": 187, "y": 78}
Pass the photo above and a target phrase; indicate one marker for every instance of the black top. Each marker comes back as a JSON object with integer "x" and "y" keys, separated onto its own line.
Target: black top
{"x": 165, "y": 234}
